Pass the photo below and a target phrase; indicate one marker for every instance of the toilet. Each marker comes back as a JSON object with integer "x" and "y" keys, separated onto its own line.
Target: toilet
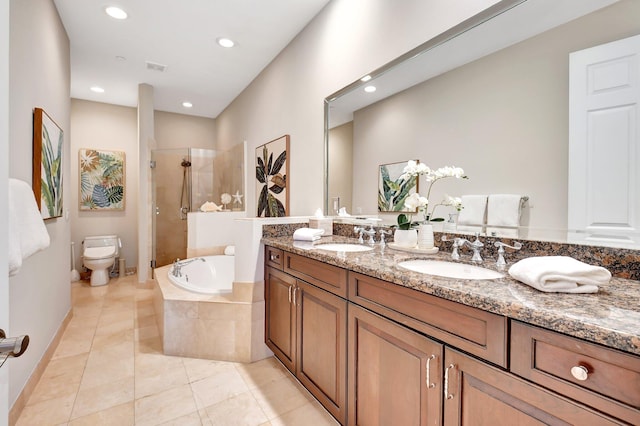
{"x": 99, "y": 254}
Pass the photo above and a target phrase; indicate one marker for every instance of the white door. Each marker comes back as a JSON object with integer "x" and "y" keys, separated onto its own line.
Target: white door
{"x": 604, "y": 146}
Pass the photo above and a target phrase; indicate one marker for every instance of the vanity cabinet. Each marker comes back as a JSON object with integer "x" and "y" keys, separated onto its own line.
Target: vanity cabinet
{"x": 600, "y": 377}
{"x": 412, "y": 358}
{"x": 478, "y": 393}
{"x": 306, "y": 327}
{"x": 395, "y": 374}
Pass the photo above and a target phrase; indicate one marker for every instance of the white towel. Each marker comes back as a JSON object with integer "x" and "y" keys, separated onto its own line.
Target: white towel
{"x": 560, "y": 274}
{"x": 471, "y": 217}
{"x": 307, "y": 234}
{"x": 230, "y": 250}
{"x": 503, "y": 214}
{"x": 27, "y": 233}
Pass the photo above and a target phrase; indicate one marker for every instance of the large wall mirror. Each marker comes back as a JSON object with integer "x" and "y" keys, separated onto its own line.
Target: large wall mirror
{"x": 491, "y": 96}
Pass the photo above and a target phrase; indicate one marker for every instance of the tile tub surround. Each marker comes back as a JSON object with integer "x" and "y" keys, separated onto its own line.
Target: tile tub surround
{"x": 610, "y": 317}
{"x": 227, "y": 327}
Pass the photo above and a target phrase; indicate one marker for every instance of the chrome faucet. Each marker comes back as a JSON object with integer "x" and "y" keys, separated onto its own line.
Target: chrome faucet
{"x": 383, "y": 233}
{"x": 476, "y": 246}
{"x": 359, "y": 230}
{"x": 371, "y": 233}
{"x": 177, "y": 265}
{"x": 501, "y": 263}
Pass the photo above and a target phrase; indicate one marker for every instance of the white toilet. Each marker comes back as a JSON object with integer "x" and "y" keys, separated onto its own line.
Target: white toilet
{"x": 99, "y": 254}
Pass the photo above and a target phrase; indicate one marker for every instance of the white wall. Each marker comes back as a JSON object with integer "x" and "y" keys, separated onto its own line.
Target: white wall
{"x": 39, "y": 296}
{"x": 4, "y": 213}
{"x": 102, "y": 126}
{"x": 345, "y": 41}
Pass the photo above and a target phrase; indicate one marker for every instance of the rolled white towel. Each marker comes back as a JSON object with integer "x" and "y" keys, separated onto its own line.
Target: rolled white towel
{"x": 559, "y": 274}
{"x": 307, "y": 234}
{"x": 230, "y": 250}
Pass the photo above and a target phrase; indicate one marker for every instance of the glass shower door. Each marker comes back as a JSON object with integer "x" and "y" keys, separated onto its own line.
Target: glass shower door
{"x": 171, "y": 183}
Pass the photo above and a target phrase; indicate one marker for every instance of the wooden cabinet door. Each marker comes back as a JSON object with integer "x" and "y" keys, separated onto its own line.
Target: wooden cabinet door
{"x": 395, "y": 374}
{"x": 479, "y": 394}
{"x": 322, "y": 347}
{"x": 280, "y": 316}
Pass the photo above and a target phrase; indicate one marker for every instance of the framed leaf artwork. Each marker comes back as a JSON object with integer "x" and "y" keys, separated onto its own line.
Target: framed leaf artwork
{"x": 102, "y": 179}
{"x": 392, "y": 191}
{"x": 272, "y": 170}
{"x": 48, "y": 143}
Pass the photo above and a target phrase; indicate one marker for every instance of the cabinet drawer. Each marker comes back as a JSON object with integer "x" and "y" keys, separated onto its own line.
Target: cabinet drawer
{"x": 273, "y": 257}
{"x": 327, "y": 277}
{"x": 612, "y": 380}
{"x": 475, "y": 331}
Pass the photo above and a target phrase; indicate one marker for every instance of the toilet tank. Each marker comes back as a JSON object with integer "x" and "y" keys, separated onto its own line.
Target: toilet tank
{"x": 103, "y": 241}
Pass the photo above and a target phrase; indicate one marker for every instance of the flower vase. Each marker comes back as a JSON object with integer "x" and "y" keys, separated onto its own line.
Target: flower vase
{"x": 405, "y": 237}
{"x": 425, "y": 237}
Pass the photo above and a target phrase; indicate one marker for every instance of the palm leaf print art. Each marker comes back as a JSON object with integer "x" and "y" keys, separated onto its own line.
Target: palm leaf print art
{"x": 271, "y": 174}
{"x": 47, "y": 171}
{"x": 102, "y": 180}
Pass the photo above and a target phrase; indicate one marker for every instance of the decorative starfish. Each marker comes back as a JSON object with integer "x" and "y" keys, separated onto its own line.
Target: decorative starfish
{"x": 237, "y": 198}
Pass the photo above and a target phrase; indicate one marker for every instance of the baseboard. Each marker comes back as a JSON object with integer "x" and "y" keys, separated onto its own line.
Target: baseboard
{"x": 29, "y": 387}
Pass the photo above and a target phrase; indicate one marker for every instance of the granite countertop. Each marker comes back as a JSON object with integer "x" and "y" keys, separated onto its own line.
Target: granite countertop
{"x": 610, "y": 317}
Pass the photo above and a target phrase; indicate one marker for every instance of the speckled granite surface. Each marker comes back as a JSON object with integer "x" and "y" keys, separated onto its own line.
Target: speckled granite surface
{"x": 610, "y": 317}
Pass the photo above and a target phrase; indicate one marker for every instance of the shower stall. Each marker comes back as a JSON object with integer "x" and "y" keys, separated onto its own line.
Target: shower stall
{"x": 182, "y": 180}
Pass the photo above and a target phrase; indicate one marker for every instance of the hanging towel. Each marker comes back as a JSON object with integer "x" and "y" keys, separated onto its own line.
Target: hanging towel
{"x": 471, "y": 217}
{"x": 560, "y": 274}
{"x": 307, "y": 234}
{"x": 27, "y": 233}
{"x": 503, "y": 214}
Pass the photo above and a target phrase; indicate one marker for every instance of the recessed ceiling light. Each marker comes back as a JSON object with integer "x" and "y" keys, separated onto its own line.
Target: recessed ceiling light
{"x": 365, "y": 78}
{"x": 225, "y": 42}
{"x": 97, "y": 89}
{"x": 370, "y": 89}
{"x": 187, "y": 104}
{"x": 115, "y": 12}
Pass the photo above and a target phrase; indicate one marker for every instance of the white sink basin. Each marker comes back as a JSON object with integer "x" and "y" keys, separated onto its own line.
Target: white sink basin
{"x": 346, "y": 247}
{"x": 450, "y": 269}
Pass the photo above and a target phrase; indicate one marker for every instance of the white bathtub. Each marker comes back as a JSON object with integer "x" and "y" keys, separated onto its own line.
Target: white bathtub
{"x": 213, "y": 276}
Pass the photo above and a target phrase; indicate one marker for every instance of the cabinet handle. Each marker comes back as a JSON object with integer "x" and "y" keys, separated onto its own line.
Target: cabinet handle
{"x": 429, "y": 384}
{"x": 274, "y": 257}
{"x": 290, "y": 293}
{"x": 580, "y": 372}
{"x": 295, "y": 290}
{"x": 447, "y": 395}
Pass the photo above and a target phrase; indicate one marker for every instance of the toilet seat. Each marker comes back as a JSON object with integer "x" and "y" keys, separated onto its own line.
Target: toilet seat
{"x": 97, "y": 253}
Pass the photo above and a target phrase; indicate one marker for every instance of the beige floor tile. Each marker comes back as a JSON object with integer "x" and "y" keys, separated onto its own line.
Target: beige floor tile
{"x": 98, "y": 398}
{"x": 50, "y": 412}
{"x": 75, "y": 345}
{"x": 280, "y": 397}
{"x": 218, "y": 388}
{"x": 62, "y": 376}
{"x": 120, "y": 415}
{"x": 152, "y": 345}
{"x": 239, "y": 410}
{"x": 198, "y": 369}
{"x": 192, "y": 419}
{"x": 308, "y": 414}
{"x": 108, "y": 365}
{"x": 165, "y": 406}
{"x": 262, "y": 372}
{"x": 109, "y": 340}
{"x": 156, "y": 373}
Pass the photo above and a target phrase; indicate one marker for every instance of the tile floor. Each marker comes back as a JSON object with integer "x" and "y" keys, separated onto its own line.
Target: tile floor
{"x": 109, "y": 370}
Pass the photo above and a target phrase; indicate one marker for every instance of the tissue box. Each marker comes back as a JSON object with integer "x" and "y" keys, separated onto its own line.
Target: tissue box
{"x": 324, "y": 223}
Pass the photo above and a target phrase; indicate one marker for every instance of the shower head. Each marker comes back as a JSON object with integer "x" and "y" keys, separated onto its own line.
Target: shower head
{"x": 185, "y": 163}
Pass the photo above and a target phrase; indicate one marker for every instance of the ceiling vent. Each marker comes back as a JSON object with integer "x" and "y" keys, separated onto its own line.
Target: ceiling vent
{"x": 155, "y": 66}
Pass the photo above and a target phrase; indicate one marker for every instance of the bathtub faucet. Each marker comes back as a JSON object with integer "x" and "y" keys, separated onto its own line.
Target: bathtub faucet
{"x": 178, "y": 264}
